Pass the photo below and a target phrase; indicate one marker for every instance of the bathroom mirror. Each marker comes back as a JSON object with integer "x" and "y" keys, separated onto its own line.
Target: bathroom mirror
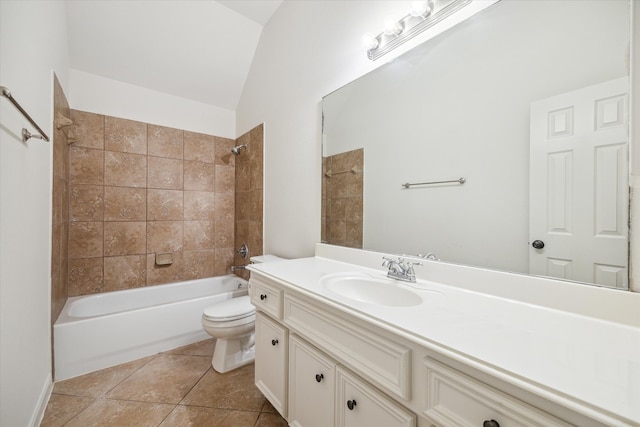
{"x": 527, "y": 101}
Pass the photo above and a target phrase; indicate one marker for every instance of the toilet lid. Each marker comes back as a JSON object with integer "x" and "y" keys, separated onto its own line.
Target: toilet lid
{"x": 231, "y": 309}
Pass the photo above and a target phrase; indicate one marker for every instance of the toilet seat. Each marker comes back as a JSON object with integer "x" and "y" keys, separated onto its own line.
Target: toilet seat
{"x": 232, "y": 309}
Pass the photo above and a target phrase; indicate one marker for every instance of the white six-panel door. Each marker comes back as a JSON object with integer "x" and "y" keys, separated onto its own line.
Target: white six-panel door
{"x": 578, "y": 185}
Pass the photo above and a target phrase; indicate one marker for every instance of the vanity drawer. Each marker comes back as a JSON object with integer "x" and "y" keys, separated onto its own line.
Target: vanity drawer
{"x": 381, "y": 360}
{"x": 266, "y": 297}
{"x": 455, "y": 399}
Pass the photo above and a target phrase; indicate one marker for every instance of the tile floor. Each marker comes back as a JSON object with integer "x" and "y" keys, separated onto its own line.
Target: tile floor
{"x": 176, "y": 388}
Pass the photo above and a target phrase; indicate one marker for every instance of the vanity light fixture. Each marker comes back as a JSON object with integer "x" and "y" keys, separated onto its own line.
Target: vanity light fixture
{"x": 423, "y": 15}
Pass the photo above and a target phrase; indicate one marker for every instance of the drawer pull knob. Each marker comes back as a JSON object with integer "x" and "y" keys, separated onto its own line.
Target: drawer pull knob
{"x": 263, "y": 297}
{"x": 352, "y": 404}
{"x": 319, "y": 377}
{"x": 274, "y": 342}
{"x": 490, "y": 423}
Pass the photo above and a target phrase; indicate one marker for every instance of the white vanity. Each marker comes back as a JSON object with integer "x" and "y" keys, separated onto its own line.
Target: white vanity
{"x": 462, "y": 346}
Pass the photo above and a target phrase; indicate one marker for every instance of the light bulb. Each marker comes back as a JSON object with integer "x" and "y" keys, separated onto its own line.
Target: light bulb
{"x": 393, "y": 28}
{"x": 369, "y": 41}
{"x": 421, "y": 8}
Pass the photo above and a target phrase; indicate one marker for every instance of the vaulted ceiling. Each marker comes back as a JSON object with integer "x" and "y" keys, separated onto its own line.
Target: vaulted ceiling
{"x": 196, "y": 49}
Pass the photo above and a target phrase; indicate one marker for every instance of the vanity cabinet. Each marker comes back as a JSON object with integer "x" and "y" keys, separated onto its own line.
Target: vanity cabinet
{"x": 359, "y": 404}
{"x": 320, "y": 364}
{"x": 311, "y": 385}
{"x": 271, "y": 365}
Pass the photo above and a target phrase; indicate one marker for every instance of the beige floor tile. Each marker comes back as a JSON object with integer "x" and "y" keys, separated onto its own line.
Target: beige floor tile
{"x": 167, "y": 378}
{"x": 209, "y": 417}
{"x": 120, "y": 413}
{"x": 202, "y": 348}
{"x": 99, "y": 383}
{"x": 268, "y": 407}
{"x": 271, "y": 420}
{"x": 233, "y": 390}
{"x": 61, "y": 409}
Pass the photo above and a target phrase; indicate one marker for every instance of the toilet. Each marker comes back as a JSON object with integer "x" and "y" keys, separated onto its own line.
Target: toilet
{"x": 232, "y": 323}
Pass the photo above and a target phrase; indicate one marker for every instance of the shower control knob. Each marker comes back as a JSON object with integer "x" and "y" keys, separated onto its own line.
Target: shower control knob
{"x": 319, "y": 377}
{"x": 274, "y": 342}
{"x": 263, "y": 297}
{"x": 538, "y": 244}
{"x": 352, "y": 404}
{"x": 490, "y": 423}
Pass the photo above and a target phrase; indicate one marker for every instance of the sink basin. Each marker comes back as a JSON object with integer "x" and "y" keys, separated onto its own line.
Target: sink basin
{"x": 370, "y": 290}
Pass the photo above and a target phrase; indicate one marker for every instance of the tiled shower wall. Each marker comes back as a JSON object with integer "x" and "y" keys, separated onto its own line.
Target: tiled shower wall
{"x": 249, "y": 194}
{"x": 342, "y": 198}
{"x": 60, "y": 205}
{"x": 137, "y": 190}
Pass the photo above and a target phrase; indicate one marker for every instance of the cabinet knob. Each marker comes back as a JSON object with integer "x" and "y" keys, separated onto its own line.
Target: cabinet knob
{"x": 274, "y": 342}
{"x": 538, "y": 244}
{"x": 319, "y": 377}
{"x": 490, "y": 423}
{"x": 352, "y": 404}
{"x": 263, "y": 297}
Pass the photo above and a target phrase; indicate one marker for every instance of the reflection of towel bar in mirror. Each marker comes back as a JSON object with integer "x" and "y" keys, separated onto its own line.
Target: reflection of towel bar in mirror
{"x": 354, "y": 170}
{"x": 459, "y": 181}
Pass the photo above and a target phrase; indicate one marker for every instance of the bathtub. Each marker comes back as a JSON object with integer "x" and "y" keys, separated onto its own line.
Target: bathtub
{"x": 98, "y": 331}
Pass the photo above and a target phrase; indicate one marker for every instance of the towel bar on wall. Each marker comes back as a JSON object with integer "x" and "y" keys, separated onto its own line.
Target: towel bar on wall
{"x": 26, "y": 135}
{"x": 459, "y": 181}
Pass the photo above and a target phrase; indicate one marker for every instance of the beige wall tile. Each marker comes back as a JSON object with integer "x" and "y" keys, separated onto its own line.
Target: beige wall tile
{"x": 85, "y": 239}
{"x": 199, "y": 264}
{"x": 225, "y": 207}
{"x": 164, "y": 173}
{"x": 124, "y": 135}
{"x": 157, "y": 275}
{"x": 85, "y": 276}
{"x": 125, "y": 169}
{"x": 86, "y": 203}
{"x": 223, "y": 155}
{"x": 199, "y": 176}
{"x": 223, "y": 261}
{"x": 125, "y": 204}
{"x": 243, "y": 206}
{"x": 164, "y": 142}
{"x": 88, "y": 128}
{"x": 124, "y": 272}
{"x": 199, "y": 205}
{"x": 243, "y": 177}
{"x": 86, "y": 166}
{"x": 165, "y": 205}
{"x": 223, "y": 235}
{"x": 198, "y": 235}
{"x": 225, "y": 179}
{"x": 125, "y": 238}
{"x": 164, "y": 236}
{"x": 256, "y": 173}
{"x": 200, "y": 147}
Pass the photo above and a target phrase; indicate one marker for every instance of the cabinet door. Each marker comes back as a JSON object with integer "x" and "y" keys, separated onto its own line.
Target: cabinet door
{"x": 359, "y": 404}
{"x": 271, "y": 361}
{"x": 311, "y": 386}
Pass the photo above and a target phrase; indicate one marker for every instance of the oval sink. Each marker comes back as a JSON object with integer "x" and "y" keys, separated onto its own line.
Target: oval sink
{"x": 371, "y": 290}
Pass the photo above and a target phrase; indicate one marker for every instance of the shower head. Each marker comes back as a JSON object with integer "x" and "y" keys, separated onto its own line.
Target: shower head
{"x": 236, "y": 150}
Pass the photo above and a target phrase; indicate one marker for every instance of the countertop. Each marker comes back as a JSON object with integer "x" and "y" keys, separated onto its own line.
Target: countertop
{"x": 562, "y": 356}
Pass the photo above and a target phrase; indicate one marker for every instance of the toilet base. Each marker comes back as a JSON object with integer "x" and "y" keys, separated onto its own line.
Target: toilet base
{"x": 231, "y": 354}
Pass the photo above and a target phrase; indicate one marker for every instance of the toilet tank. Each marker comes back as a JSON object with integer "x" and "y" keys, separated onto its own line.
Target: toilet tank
{"x": 259, "y": 259}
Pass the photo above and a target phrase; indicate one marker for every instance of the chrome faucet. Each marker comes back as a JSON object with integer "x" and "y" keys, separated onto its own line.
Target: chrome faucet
{"x": 400, "y": 269}
{"x": 238, "y": 267}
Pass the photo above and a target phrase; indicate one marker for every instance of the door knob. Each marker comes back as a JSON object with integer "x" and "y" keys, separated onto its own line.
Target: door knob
{"x": 538, "y": 244}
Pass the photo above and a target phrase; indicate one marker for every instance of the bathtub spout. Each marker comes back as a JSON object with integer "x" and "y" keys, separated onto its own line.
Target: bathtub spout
{"x": 238, "y": 267}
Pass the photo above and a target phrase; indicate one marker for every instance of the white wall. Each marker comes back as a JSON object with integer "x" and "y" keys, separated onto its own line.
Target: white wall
{"x": 97, "y": 94}
{"x": 307, "y": 50}
{"x": 33, "y": 43}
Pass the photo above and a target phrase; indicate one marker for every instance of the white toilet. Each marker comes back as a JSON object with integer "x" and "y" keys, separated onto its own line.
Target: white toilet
{"x": 232, "y": 323}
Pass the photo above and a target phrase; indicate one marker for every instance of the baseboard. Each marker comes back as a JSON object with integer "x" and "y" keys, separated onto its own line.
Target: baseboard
{"x": 43, "y": 400}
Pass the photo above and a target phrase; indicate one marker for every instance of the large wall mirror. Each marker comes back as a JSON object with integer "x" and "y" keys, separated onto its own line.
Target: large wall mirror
{"x": 528, "y": 102}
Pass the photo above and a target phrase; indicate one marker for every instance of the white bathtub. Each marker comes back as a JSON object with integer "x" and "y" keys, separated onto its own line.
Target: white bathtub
{"x": 98, "y": 331}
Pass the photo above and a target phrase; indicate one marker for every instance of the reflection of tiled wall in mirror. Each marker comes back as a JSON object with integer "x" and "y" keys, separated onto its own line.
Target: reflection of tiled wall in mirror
{"x": 342, "y": 198}
{"x": 137, "y": 190}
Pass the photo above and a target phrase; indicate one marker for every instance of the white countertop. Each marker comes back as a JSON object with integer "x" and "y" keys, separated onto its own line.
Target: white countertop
{"x": 562, "y": 356}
